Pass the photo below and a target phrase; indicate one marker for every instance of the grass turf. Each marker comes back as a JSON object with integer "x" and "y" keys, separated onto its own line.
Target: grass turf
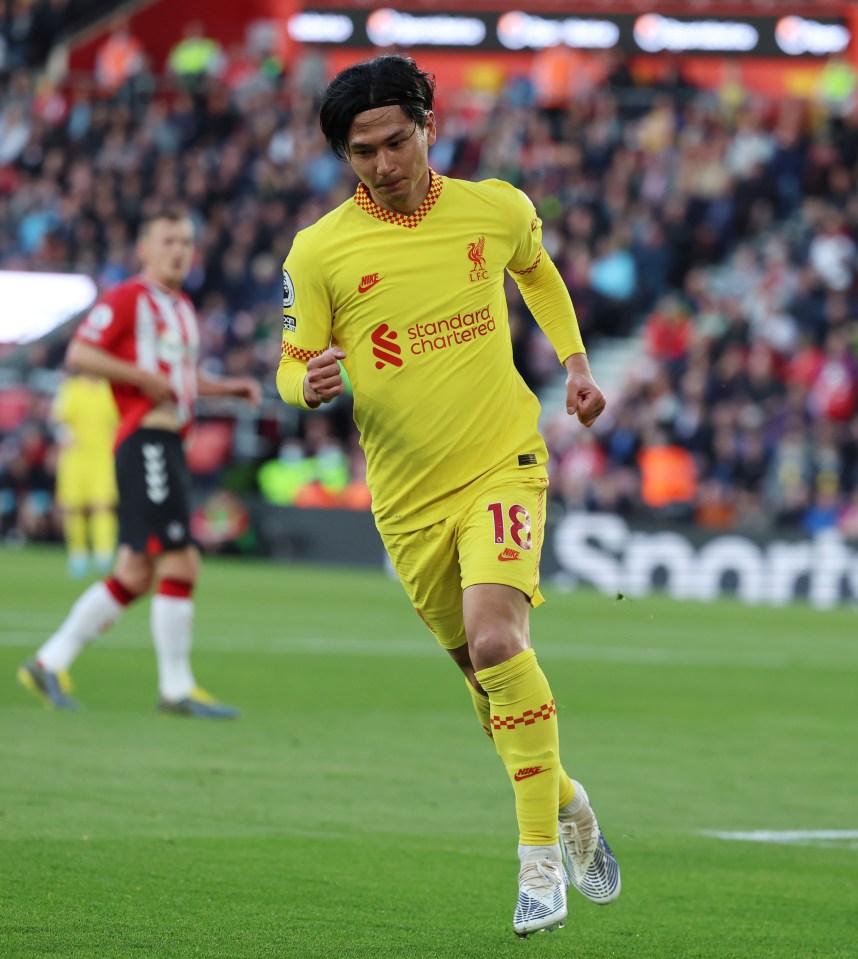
{"x": 357, "y": 810}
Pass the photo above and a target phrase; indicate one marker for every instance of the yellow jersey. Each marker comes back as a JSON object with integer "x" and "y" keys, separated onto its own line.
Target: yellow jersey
{"x": 87, "y": 416}
{"x": 417, "y": 304}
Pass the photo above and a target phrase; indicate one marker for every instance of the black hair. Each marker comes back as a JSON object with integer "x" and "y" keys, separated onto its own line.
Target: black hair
{"x": 390, "y": 80}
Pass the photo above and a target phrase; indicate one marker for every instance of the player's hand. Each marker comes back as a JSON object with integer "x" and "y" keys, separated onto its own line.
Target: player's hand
{"x": 583, "y": 398}
{"x": 324, "y": 380}
{"x": 246, "y": 388}
{"x": 157, "y": 387}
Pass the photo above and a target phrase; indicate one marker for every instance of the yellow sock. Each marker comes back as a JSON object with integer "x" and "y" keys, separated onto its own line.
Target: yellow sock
{"x": 102, "y": 525}
{"x": 567, "y": 790}
{"x": 481, "y": 707}
{"x": 74, "y": 530}
{"x": 523, "y": 720}
{"x": 483, "y": 710}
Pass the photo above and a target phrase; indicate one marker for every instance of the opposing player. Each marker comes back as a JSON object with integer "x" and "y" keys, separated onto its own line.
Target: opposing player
{"x": 403, "y": 285}
{"x": 86, "y": 419}
{"x": 142, "y": 336}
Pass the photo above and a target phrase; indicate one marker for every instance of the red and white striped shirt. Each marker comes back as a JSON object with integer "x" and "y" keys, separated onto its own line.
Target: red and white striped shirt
{"x": 156, "y": 329}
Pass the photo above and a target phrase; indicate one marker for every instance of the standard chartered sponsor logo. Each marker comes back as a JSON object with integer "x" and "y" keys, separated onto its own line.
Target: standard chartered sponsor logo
{"x": 155, "y": 472}
{"x": 455, "y": 331}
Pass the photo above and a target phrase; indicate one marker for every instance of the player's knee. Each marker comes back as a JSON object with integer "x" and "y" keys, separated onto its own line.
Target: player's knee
{"x": 123, "y": 590}
{"x": 492, "y": 645}
{"x": 137, "y": 581}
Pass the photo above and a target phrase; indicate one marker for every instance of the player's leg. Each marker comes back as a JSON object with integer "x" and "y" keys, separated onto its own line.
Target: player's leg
{"x": 102, "y": 534}
{"x": 72, "y": 505}
{"x": 103, "y": 522}
{"x": 172, "y": 633}
{"x": 499, "y": 543}
{"x": 76, "y": 538}
{"x": 95, "y": 610}
{"x": 427, "y": 565}
{"x": 523, "y": 721}
{"x": 167, "y": 507}
{"x": 590, "y": 863}
{"x": 482, "y": 707}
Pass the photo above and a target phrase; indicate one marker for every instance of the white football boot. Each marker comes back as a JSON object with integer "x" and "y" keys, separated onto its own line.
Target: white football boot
{"x": 542, "y": 886}
{"x": 591, "y": 866}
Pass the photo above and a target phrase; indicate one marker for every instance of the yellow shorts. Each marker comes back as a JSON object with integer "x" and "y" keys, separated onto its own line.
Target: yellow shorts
{"x": 85, "y": 482}
{"x": 497, "y": 539}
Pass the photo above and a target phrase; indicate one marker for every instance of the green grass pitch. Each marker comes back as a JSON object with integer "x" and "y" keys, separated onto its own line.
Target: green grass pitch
{"x": 357, "y": 811}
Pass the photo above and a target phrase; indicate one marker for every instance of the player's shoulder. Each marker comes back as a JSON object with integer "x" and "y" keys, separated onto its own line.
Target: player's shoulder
{"x": 498, "y": 195}
{"x": 491, "y": 188}
{"x": 328, "y": 228}
{"x": 123, "y": 293}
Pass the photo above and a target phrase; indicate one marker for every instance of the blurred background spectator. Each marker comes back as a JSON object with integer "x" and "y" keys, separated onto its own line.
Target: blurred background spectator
{"x": 708, "y": 238}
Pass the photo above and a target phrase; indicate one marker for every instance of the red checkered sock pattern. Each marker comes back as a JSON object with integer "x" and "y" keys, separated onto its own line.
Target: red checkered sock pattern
{"x": 523, "y": 722}
{"x": 483, "y": 709}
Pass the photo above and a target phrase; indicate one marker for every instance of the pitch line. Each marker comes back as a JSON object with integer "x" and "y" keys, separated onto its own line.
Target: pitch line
{"x": 827, "y": 838}
{"x": 13, "y": 635}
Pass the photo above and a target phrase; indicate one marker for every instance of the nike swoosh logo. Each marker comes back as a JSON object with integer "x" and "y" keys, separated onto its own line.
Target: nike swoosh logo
{"x": 364, "y": 286}
{"x": 527, "y": 773}
{"x": 508, "y": 559}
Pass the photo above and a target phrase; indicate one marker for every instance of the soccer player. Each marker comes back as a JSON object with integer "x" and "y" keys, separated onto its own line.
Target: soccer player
{"x": 403, "y": 285}
{"x": 142, "y": 336}
{"x": 86, "y": 418}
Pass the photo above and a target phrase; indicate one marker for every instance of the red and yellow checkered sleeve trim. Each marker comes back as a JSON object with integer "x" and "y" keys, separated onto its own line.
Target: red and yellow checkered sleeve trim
{"x": 296, "y": 354}
{"x": 531, "y": 268}
{"x": 527, "y": 718}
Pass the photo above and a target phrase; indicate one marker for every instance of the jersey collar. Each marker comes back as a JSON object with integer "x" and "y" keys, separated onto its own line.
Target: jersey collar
{"x": 410, "y": 220}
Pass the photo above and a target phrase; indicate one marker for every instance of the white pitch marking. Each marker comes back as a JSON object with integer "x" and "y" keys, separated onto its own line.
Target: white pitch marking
{"x": 19, "y": 628}
{"x": 791, "y": 837}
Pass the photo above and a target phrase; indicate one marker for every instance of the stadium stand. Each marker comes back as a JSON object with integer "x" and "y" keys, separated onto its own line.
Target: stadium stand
{"x": 707, "y": 238}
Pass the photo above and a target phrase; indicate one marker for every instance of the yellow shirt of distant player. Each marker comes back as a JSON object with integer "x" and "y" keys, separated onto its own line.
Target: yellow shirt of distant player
{"x": 86, "y": 418}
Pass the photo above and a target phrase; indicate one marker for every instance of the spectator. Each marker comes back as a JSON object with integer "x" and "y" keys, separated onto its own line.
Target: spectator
{"x": 119, "y": 58}
{"x": 195, "y": 56}
{"x": 668, "y": 476}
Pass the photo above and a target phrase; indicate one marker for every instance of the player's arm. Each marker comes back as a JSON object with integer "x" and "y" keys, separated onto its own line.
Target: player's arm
{"x": 309, "y": 372}
{"x": 548, "y": 300}
{"x": 242, "y": 387}
{"x": 92, "y": 347}
{"x": 82, "y": 357}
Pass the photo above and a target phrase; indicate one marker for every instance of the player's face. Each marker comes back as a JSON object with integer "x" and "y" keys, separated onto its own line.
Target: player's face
{"x": 166, "y": 251}
{"x": 390, "y": 154}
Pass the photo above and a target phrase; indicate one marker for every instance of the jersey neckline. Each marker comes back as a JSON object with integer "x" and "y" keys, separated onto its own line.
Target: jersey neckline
{"x": 409, "y": 220}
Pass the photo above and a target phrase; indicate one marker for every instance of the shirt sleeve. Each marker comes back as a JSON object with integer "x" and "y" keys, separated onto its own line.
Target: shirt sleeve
{"x": 540, "y": 283}
{"x": 307, "y": 320}
{"x": 527, "y": 234}
{"x": 109, "y": 320}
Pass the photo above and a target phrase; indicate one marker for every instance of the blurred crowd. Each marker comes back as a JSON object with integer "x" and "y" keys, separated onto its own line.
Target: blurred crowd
{"x": 714, "y": 230}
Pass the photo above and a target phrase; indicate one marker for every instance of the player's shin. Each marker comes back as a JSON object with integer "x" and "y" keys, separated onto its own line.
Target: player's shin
{"x": 523, "y": 722}
{"x": 94, "y": 611}
{"x": 103, "y": 527}
{"x": 171, "y": 621}
{"x": 482, "y": 707}
{"x": 75, "y": 533}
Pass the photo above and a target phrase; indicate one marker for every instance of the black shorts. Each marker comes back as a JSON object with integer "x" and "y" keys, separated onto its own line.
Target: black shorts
{"x": 154, "y": 492}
